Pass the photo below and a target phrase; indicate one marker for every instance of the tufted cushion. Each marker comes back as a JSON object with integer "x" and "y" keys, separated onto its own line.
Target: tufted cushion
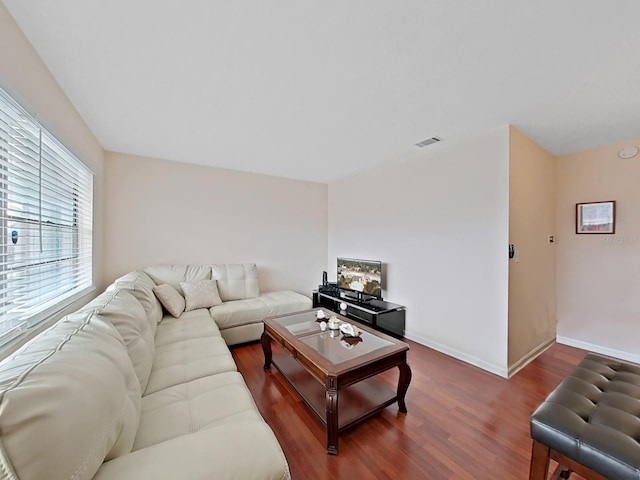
{"x": 187, "y": 360}
{"x": 125, "y": 313}
{"x": 593, "y": 417}
{"x": 253, "y": 310}
{"x": 193, "y": 324}
{"x": 193, "y": 406}
{"x": 236, "y": 281}
{"x": 141, "y": 286}
{"x": 68, "y": 399}
{"x": 243, "y": 450}
{"x": 174, "y": 274}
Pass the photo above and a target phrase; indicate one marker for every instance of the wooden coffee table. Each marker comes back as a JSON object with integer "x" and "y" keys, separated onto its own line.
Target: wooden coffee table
{"x": 334, "y": 375}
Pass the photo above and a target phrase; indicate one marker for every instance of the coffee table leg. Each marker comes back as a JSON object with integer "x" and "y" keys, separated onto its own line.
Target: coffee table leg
{"x": 332, "y": 420}
{"x": 403, "y": 385}
{"x": 265, "y": 340}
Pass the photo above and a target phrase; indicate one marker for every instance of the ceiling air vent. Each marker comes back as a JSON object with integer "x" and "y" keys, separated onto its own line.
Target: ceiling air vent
{"x": 428, "y": 141}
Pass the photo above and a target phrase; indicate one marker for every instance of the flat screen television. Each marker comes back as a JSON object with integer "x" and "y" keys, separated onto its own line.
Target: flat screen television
{"x": 363, "y": 276}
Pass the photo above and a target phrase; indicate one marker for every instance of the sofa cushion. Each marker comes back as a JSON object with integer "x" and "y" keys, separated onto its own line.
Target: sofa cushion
{"x": 236, "y": 281}
{"x": 240, "y": 450}
{"x": 285, "y": 301}
{"x": 242, "y": 312}
{"x": 170, "y": 298}
{"x": 243, "y": 333}
{"x": 141, "y": 285}
{"x": 68, "y": 399}
{"x": 122, "y": 309}
{"x": 193, "y": 324}
{"x": 193, "y": 406}
{"x": 202, "y": 294}
{"x": 187, "y": 360}
{"x": 174, "y": 274}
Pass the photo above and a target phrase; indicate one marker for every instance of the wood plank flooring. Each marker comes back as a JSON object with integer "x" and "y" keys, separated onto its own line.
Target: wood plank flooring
{"x": 462, "y": 422}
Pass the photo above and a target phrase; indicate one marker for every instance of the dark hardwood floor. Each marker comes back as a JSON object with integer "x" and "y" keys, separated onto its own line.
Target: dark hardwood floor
{"x": 462, "y": 422}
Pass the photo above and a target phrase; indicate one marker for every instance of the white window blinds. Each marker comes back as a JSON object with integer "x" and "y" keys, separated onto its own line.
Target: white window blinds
{"x": 46, "y": 205}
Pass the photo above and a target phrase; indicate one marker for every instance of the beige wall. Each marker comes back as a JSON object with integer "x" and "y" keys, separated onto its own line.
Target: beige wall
{"x": 532, "y": 303}
{"x": 168, "y": 212}
{"x": 598, "y": 276}
{"x": 24, "y": 76}
{"x": 439, "y": 222}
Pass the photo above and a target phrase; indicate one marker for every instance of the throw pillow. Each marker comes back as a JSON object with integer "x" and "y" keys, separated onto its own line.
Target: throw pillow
{"x": 202, "y": 294}
{"x": 169, "y": 297}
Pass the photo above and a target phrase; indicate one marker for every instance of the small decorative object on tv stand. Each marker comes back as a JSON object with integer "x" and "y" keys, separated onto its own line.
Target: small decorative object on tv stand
{"x": 384, "y": 316}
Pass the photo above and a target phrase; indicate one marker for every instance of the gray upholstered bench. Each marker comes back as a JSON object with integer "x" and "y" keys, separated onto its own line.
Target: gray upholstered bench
{"x": 590, "y": 423}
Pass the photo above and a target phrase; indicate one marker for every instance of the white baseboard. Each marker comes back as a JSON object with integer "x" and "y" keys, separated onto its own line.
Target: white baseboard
{"x": 524, "y": 361}
{"x": 611, "y": 352}
{"x": 452, "y": 352}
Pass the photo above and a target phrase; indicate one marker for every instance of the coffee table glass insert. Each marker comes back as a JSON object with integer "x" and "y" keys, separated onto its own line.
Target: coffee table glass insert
{"x": 300, "y": 323}
{"x": 326, "y": 366}
{"x": 337, "y": 348}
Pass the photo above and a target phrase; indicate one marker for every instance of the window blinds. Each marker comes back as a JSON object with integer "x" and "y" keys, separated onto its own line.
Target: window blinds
{"x": 46, "y": 208}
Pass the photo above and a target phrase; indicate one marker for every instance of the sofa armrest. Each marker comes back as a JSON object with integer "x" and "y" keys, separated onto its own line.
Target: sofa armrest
{"x": 246, "y": 450}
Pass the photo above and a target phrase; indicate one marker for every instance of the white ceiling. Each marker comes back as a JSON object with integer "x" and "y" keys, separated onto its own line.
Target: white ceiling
{"x": 321, "y": 90}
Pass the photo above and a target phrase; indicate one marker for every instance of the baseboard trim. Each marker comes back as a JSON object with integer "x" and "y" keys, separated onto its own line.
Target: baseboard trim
{"x": 611, "y": 352}
{"x": 452, "y": 352}
{"x": 524, "y": 361}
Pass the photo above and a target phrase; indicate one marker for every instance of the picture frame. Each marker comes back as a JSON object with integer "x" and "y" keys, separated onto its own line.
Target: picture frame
{"x": 596, "y": 217}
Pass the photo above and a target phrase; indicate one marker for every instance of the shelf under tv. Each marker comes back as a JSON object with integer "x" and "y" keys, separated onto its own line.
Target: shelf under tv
{"x": 380, "y": 314}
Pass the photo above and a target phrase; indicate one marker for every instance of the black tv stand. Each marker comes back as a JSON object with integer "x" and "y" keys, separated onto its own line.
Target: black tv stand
{"x": 381, "y": 315}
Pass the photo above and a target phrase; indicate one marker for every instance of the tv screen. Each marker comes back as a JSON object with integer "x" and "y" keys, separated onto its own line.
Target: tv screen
{"x": 364, "y": 276}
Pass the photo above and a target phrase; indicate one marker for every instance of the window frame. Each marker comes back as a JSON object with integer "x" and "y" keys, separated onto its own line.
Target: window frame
{"x": 68, "y": 181}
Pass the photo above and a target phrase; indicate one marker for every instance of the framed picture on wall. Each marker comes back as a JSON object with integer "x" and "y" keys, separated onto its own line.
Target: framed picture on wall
{"x": 596, "y": 217}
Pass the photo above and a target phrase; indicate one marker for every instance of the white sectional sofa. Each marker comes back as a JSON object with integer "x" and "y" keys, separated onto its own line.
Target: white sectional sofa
{"x": 244, "y": 307}
{"x": 119, "y": 390}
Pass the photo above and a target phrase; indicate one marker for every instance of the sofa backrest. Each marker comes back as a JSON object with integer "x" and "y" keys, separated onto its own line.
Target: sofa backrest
{"x": 237, "y": 281}
{"x": 69, "y": 399}
{"x": 174, "y": 274}
{"x": 129, "y": 318}
{"x": 141, "y": 286}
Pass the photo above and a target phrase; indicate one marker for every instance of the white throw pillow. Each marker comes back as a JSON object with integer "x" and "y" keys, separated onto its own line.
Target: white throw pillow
{"x": 169, "y": 297}
{"x": 202, "y": 294}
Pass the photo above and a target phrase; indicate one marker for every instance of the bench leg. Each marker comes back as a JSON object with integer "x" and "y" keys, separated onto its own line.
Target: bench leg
{"x": 564, "y": 472}
{"x": 560, "y": 472}
{"x": 539, "y": 461}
